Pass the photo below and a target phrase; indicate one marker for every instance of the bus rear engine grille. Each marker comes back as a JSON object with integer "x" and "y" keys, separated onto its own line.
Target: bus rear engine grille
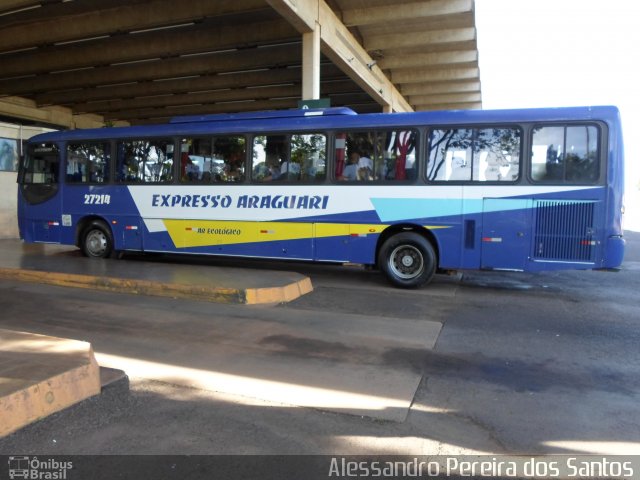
{"x": 564, "y": 230}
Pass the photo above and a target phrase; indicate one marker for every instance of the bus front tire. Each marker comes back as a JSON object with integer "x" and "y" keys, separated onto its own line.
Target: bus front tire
{"x": 97, "y": 241}
{"x": 408, "y": 260}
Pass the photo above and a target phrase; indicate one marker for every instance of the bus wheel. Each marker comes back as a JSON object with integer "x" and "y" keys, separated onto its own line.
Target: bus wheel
{"x": 407, "y": 259}
{"x": 97, "y": 241}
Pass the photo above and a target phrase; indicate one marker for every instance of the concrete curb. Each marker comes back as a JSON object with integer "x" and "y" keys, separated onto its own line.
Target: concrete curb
{"x": 41, "y": 375}
{"x": 217, "y": 294}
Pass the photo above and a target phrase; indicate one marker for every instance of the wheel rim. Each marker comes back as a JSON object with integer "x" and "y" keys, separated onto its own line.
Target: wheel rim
{"x": 96, "y": 243}
{"x": 406, "y": 262}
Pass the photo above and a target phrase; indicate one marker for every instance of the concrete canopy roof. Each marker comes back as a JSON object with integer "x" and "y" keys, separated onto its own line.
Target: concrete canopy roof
{"x": 144, "y": 61}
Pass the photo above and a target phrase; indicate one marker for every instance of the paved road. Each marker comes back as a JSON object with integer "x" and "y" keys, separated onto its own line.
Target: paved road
{"x": 524, "y": 364}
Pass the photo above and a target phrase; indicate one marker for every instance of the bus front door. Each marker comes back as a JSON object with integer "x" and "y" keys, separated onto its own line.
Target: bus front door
{"x": 39, "y": 205}
{"x": 506, "y": 238}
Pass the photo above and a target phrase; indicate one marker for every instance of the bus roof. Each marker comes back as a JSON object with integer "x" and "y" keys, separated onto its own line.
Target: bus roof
{"x": 328, "y": 119}
{"x": 264, "y": 115}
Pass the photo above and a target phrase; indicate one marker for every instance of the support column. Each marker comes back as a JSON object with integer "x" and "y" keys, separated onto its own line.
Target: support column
{"x": 340, "y": 46}
{"x": 311, "y": 64}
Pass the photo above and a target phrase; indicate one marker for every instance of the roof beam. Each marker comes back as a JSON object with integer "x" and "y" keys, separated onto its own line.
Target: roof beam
{"x": 451, "y": 106}
{"x": 433, "y": 88}
{"x": 428, "y": 59}
{"x": 234, "y": 61}
{"x": 224, "y": 107}
{"x": 260, "y": 78}
{"x": 26, "y": 109}
{"x": 428, "y": 74}
{"x": 419, "y": 24}
{"x": 423, "y": 100}
{"x": 39, "y": 9}
{"x": 342, "y": 48}
{"x": 127, "y": 48}
{"x": 230, "y": 95}
{"x": 404, "y": 11}
{"x": 13, "y": 5}
{"x": 156, "y": 115}
{"x": 121, "y": 18}
{"x": 405, "y": 40}
{"x": 303, "y": 15}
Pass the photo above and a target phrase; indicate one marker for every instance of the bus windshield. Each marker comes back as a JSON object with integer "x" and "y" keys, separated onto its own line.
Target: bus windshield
{"x": 41, "y": 165}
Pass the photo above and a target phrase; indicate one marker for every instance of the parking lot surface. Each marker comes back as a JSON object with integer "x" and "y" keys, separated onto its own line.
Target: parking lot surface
{"x": 494, "y": 363}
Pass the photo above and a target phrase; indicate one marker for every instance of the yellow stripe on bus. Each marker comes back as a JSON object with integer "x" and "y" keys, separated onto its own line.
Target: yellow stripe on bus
{"x": 201, "y": 233}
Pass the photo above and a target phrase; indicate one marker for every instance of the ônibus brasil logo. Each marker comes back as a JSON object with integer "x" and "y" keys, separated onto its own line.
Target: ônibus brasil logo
{"x": 36, "y": 469}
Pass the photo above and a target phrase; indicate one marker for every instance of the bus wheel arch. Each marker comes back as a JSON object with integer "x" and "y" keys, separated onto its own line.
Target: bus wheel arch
{"x": 407, "y": 255}
{"x": 95, "y": 238}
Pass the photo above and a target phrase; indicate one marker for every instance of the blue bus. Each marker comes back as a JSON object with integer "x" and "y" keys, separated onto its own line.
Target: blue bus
{"x": 408, "y": 193}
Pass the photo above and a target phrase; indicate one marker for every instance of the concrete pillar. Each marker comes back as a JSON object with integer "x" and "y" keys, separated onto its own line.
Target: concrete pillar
{"x": 311, "y": 64}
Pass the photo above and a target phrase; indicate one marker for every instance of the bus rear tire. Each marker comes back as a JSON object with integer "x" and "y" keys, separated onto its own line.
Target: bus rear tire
{"x": 408, "y": 260}
{"x": 97, "y": 240}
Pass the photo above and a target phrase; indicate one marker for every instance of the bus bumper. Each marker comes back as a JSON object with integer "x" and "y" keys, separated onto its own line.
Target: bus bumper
{"x": 614, "y": 251}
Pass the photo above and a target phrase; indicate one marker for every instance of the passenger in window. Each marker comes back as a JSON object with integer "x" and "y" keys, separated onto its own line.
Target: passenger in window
{"x": 290, "y": 170}
{"x": 128, "y": 167}
{"x": 350, "y": 171}
{"x": 364, "y": 161}
{"x": 273, "y": 169}
{"x": 365, "y": 173}
{"x": 184, "y": 161}
{"x": 554, "y": 167}
{"x": 365, "y": 167}
{"x": 192, "y": 170}
{"x": 234, "y": 168}
{"x": 95, "y": 174}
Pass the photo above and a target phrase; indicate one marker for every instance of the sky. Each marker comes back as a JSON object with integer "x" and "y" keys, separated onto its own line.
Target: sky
{"x": 552, "y": 53}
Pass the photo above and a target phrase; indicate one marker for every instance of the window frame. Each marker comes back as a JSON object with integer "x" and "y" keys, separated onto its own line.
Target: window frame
{"x": 23, "y": 171}
{"x": 211, "y": 137}
{"x": 250, "y": 177}
{"x": 174, "y": 171}
{"x": 417, "y": 130}
{"x": 521, "y": 163}
{"x": 110, "y": 164}
{"x": 601, "y": 149}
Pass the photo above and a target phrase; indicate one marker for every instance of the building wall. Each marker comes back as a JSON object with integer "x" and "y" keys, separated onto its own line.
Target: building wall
{"x": 8, "y": 186}
{"x": 8, "y": 205}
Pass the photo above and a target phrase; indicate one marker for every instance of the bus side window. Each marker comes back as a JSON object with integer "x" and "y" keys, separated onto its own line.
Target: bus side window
{"x": 565, "y": 154}
{"x": 269, "y": 152}
{"x": 195, "y": 160}
{"x": 400, "y": 155}
{"x": 582, "y": 154}
{"x": 88, "y": 162}
{"x": 228, "y": 160}
{"x": 380, "y": 155}
{"x": 450, "y": 155}
{"x": 497, "y": 155}
{"x": 212, "y": 159}
{"x": 353, "y": 156}
{"x": 474, "y": 155}
{"x": 547, "y": 159}
{"x": 308, "y": 158}
{"x": 145, "y": 161}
